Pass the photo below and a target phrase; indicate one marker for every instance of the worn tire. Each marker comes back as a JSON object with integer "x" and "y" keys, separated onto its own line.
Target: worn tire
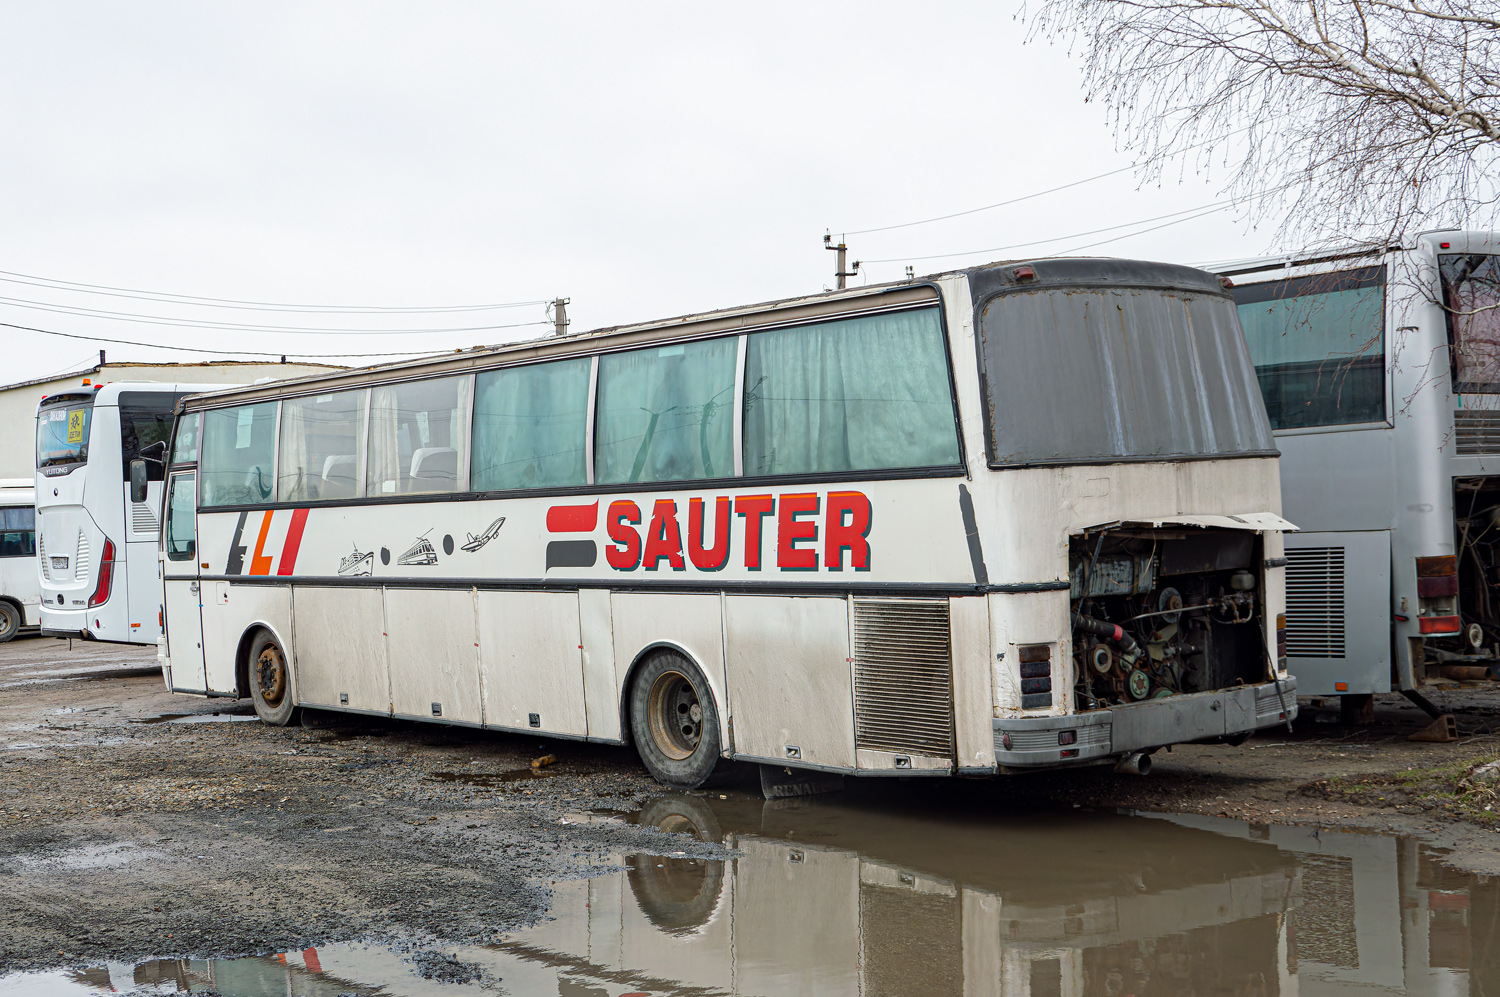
{"x": 676, "y": 893}
{"x": 271, "y": 681}
{"x": 674, "y": 721}
{"x": 10, "y": 621}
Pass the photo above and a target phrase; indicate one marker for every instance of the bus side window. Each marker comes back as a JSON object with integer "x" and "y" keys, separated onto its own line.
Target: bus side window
{"x": 1318, "y": 344}
{"x": 853, "y": 395}
{"x": 666, "y": 413}
{"x": 239, "y": 445}
{"x": 321, "y": 444}
{"x": 181, "y": 523}
{"x": 531, "y": 425}
{"x": 17, "y": 532}
{"x": 417, "y": 435}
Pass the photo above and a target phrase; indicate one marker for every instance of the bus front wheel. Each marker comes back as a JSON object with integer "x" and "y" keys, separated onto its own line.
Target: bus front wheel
{"x": 674, "y": 722}
{"x": 271, "y": 681}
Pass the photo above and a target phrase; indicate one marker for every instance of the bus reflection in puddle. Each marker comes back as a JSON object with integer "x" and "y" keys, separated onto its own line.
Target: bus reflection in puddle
{"x": 823, "y": 897}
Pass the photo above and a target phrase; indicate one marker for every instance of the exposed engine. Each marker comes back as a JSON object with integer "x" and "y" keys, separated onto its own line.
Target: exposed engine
{"x": 1160, "y": 612}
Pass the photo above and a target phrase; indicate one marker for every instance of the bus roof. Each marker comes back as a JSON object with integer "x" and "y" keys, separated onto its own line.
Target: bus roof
{"x": 783, "y": 311}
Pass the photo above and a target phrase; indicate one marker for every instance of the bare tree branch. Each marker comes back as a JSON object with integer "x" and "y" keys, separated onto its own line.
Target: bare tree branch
{"x": 1367, "y": 119}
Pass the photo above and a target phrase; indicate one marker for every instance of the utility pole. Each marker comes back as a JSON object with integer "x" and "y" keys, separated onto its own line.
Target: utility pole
{"x": 560, "y": 315}
{"x": 843, "y": 252}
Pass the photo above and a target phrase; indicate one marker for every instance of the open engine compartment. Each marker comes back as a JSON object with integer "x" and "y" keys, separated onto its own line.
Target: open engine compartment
{"x": 1159, "y": 612}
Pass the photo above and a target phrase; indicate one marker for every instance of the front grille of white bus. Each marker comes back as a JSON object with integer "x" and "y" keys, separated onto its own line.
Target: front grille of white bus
{"x": 903, "y": 676}
{"x": 1315, "y": 602}
{"x": 1476, "y": 432}
{"x": 81, "y": 561}
{"x": 141, "y": 518}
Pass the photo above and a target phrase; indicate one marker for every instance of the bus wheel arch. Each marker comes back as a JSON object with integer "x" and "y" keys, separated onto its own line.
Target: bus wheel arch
{"x": 266, "y": 669}
{"x": 12, "y": 619}
{"x": 672, "y": 716}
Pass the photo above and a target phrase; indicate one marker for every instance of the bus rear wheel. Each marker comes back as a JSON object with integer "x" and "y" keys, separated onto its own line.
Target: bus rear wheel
{"x": 674, "y": 721}
{"x": 10, "y": 621}
{"x": 271, "y": 681}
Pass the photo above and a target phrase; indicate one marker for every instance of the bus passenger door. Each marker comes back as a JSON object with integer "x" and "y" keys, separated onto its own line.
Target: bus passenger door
{"x": 1338, "y": 606}
{"x": 181, "y": 584}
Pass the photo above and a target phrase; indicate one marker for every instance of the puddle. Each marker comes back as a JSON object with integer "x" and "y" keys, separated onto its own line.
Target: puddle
{"x": 843, "y": 896}
{"x": 194, "y": 718}
{"x": 88, "y": 857}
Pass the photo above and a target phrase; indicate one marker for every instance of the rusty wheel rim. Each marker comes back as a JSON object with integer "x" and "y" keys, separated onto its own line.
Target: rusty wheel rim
{"x": 270, "y": 675}
{"x": 675, "y": 715}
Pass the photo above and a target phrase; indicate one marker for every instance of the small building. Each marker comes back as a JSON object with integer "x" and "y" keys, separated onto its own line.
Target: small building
{"x": 18, "y": 401}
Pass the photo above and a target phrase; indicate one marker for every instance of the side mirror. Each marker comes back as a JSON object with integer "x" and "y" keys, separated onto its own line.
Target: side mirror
{"x": 138, "y": 480}
{"x": 155, "y": 452}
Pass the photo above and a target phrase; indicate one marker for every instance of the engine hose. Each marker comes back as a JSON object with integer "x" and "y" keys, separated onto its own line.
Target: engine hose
{"x": 1108, "y": 631}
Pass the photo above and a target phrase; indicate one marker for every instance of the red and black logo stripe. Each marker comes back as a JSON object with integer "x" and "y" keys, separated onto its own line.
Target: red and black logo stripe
{"x": 572, "y": 519}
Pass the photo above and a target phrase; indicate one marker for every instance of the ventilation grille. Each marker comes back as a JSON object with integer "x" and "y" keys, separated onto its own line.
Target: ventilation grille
{"x": 81, "y": 561}
{"x": 41, "y": 553}
{"x": 1476, "y": 432}
{"x": 141, "y": 518}
{"x": 1315, "y": 602}
{"x": 903, "y": 676}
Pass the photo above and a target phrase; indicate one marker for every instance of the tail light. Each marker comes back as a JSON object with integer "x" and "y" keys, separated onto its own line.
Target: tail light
{"x": 1281, "y": 636}
{"x": 1036, "y": 676}
{"x": 1437, "y": 577}
{"x": 1439, "y": 626}
{"x": 106, "y": 575}
{"x": 1437, "y": 596}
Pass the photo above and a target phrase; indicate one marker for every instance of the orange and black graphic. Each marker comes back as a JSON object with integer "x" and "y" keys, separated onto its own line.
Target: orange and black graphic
{"x": 572, "y": 519}
{"x": 260, "y": 563}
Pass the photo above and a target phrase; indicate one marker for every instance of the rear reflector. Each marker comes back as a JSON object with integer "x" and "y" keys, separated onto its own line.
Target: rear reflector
{"x": 1433, "y": 567}
{"x": 1439, "y": 624}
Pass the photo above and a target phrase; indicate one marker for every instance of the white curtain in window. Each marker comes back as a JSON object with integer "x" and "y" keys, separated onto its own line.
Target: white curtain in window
{"x": 852, "y": 395}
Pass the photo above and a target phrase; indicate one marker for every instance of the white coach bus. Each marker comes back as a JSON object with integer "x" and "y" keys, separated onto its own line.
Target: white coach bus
{"x": 19, "y": 595}
{"x": 1021, "y": 515}
{"x": 100, "y": 461}
{"x": 1381, "y": 376}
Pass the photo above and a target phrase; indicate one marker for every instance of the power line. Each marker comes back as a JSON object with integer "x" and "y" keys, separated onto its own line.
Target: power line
{"x": 12, "y": 277}
{"x": 990, "y": 207}
{"x": 241, "y": 353}
{"x": 241, "y": 326}
{"x": 1207, "y": 208}
{"x": 1042, "y": 193}
{"x": 1131, "y": 235}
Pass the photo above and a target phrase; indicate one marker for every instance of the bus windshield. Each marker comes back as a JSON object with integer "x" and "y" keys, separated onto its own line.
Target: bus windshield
{"x": 1146, "y": 374}
{"x": 62, "y": 432}
{"x": 1471, "y": 300}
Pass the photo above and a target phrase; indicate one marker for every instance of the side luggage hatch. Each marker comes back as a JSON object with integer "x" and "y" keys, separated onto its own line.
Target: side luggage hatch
{"x": 182, "y": 585}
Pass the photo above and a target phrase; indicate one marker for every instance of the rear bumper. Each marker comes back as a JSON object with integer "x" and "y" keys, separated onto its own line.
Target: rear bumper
{"x": 1156, "y": 723}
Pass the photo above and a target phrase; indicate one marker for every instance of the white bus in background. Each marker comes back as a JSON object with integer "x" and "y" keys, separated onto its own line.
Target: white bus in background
{"x": 1381, "y": 375}
{"x": 96, "y": 525}
{"x": 1021, "y": 515}
{"x": 19, "y": 595}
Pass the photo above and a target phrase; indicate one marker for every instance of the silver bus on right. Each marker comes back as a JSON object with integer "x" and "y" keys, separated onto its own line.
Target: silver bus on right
{"x": 1380, "y": 369}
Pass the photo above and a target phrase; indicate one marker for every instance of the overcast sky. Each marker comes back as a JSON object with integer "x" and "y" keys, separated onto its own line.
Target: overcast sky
{"x": 643, "y": 159}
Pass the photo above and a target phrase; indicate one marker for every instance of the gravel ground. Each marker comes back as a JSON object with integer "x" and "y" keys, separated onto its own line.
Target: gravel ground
{"x": 126, "y": 835}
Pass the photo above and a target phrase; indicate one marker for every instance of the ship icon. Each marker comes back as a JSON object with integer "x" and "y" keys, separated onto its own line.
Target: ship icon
{"x": 489, "y": 533}
{"x": 419, "y": 553}
{"x": 358, "y": 563}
